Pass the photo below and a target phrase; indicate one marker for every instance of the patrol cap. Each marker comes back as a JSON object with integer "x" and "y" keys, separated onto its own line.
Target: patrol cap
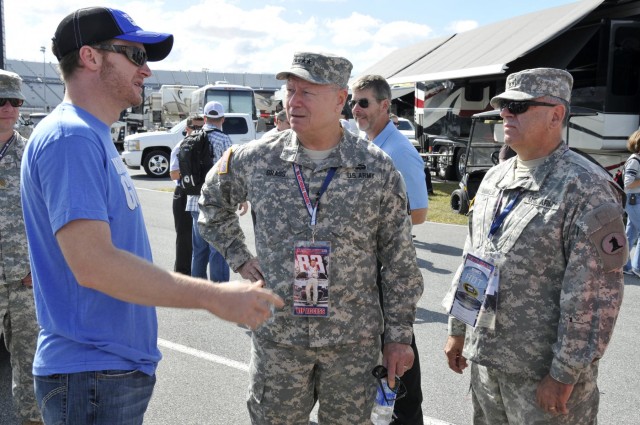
{"x": 533, "y": 83}
{"x": 213, "y": 109}
{"x": 10, "y": 85}
{"x": 92, "y": 25}
{"x": 319, "y": 68}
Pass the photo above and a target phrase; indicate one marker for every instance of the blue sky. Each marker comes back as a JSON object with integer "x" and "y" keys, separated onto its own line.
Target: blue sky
{"x": 261, "y": 36}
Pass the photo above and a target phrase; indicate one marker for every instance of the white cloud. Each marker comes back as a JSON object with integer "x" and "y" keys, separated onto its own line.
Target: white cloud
{"x": 225, "y": 37}
{"x": 462, "y": 26}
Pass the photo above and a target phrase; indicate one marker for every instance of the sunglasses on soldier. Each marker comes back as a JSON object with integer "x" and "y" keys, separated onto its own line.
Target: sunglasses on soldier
{"x": 16, "y": 103}
{"x": 517, "y": 107}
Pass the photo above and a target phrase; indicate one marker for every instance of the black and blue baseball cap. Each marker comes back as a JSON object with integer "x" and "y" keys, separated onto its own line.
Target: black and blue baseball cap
{"x": 92, "y": 25}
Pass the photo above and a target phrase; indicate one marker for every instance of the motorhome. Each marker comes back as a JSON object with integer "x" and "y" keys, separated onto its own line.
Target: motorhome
{"x": 597, "y": 41}
{"x": 234, "y": 98}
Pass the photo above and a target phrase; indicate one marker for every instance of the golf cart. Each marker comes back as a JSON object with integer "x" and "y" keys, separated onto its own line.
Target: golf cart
{"x": 482, "y": 152}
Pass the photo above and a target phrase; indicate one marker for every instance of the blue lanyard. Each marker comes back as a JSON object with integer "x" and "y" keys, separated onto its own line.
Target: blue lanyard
{"x": 498, "y": 219}
{"x": 6, "y": 147}
{"x": 312, "y": 209}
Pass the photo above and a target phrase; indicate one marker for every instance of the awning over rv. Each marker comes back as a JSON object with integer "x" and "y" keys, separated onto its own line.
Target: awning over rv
{"x": 487, "y": 50}
{"x": 400, "y": 59}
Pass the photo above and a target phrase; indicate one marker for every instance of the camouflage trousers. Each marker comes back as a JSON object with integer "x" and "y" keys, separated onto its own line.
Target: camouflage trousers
{"x": 502, "y": 399}
{"x": 286, "y": 381}
{"x": 20, "y": 330}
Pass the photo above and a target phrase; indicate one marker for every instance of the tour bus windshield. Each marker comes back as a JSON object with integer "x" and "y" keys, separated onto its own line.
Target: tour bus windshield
{"x": 235, "y": 99}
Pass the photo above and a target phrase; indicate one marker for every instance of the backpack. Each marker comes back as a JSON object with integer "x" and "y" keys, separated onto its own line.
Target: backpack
{"x": 619, "y": 177}
{"x": 195, "y": 159}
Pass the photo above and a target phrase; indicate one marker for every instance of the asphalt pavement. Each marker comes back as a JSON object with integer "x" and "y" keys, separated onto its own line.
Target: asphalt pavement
{"x": 203, "y": 376}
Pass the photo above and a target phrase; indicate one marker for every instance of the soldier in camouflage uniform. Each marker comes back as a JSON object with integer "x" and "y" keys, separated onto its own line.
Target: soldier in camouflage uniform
{"x": 17, "y": 309}
{"x": 559, "y": 249}
{"x": 362, "y": 213}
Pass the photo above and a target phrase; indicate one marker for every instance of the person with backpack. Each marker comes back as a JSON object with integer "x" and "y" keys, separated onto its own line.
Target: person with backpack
{"x": 632, "y": 207}
{"x": 202, "y": 251}
{"x": 181, "y": 217}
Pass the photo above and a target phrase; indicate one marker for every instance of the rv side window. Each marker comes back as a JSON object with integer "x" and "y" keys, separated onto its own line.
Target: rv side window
{"x": 626, "y": 61}
{"x": 474, "y": 92}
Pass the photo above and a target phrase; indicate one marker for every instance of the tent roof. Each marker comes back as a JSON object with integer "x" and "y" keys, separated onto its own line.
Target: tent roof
{"x": 487, "y": 50}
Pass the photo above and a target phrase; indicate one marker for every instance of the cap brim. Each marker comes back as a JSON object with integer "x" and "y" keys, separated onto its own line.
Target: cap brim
{"x": 157, "y": 45}
{"x": 301, "y": 73}
{"x": 12, "y": 94}
{"x": 510, "y": 95}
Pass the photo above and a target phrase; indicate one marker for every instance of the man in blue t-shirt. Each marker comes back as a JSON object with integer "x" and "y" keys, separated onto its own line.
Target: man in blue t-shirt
{"x": 94, "y": 283}
{"x": 370, "y": 102}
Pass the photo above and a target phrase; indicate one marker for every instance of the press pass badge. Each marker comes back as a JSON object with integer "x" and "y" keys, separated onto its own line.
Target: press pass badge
{"x": 311, "y": 278}
{"x": 473, "y": 287}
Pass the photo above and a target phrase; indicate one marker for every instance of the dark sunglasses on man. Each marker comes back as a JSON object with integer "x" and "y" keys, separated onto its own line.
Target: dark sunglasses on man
{"x": 363, "y": 103}
{"x": 195, "y": 127}
{"x": 517, "y": 107}
{"x": 135, "y": 54}
{"x": 16, "y": 103}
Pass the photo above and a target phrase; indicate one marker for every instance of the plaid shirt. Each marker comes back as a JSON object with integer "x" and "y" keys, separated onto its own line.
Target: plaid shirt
{"x": 220, "y": 142}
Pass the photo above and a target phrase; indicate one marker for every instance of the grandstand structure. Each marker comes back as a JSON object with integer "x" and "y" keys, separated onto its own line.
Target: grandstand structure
{"x": 43, "y": 87}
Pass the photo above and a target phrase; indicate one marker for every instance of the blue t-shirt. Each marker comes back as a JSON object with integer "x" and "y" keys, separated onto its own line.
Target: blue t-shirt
{"x": 71, "y": 170}
{"x": 408, "y": 161}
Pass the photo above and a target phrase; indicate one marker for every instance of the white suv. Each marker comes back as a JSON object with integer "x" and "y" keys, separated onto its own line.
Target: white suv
{"x": 406, "y": 127}
{"x": 152, "y": 150}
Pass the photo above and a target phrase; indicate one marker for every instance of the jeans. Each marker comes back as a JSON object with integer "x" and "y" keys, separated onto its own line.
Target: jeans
{"x": 632, "y": 230}
{"x": 203, "y": 253}
{"x": 94, "y": 398}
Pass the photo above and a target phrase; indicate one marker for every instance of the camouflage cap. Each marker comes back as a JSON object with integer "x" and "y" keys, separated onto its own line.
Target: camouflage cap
{"x": 10, "y": 85}
{"x": 533, "y": 83}
{"x": 319, "y": 68}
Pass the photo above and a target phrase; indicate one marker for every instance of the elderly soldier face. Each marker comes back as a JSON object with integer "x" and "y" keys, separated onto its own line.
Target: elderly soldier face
{"x": 9, "y": 113}
{"x": 526, "y": 123}
{"x": 312, "y": 107}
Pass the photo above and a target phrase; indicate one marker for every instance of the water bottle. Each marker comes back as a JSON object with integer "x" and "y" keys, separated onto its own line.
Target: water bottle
{"x": 382, "y": 412}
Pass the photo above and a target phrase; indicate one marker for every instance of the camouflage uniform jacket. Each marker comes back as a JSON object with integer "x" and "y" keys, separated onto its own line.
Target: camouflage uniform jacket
{"x": 561, "y": 280}
{"x": 14, "y": 253}
{"x": 363, "y": 213}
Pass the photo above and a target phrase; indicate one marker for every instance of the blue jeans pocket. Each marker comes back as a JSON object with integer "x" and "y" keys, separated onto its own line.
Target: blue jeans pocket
{"x": 51, "y": 394}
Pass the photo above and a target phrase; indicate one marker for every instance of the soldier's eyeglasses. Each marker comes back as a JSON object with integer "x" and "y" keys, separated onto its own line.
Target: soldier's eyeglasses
{"x": 135, "y": 54}
{"x": 520, "y": 107}
{"x": 380, "y": 372}
{"x": 363, "y": 103}
{"x": 16, "y": 103}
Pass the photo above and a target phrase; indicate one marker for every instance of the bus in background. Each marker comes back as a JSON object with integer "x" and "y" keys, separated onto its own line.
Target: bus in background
{"x": 235, "y": 99}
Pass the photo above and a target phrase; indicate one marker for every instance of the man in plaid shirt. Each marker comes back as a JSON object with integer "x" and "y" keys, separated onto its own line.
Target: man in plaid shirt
{"x": 202, "y": 251}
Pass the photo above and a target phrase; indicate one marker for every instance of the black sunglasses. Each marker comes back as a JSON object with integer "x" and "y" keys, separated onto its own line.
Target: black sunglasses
{"x": 363, "y": 103}
{"x": 195, "y": 127}
{"x": 520, "y": 107}
{"x": 16, "y": 103}
{"x": 380, "y": 372}
{"x": 135, "y": 54}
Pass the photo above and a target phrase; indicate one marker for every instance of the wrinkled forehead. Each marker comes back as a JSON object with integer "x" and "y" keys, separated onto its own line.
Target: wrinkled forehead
{"x": 293, "y": 81}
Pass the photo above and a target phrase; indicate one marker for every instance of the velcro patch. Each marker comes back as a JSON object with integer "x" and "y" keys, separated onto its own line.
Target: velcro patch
{"x": 605, "y": 228}
{"x": 223, "y": 165}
